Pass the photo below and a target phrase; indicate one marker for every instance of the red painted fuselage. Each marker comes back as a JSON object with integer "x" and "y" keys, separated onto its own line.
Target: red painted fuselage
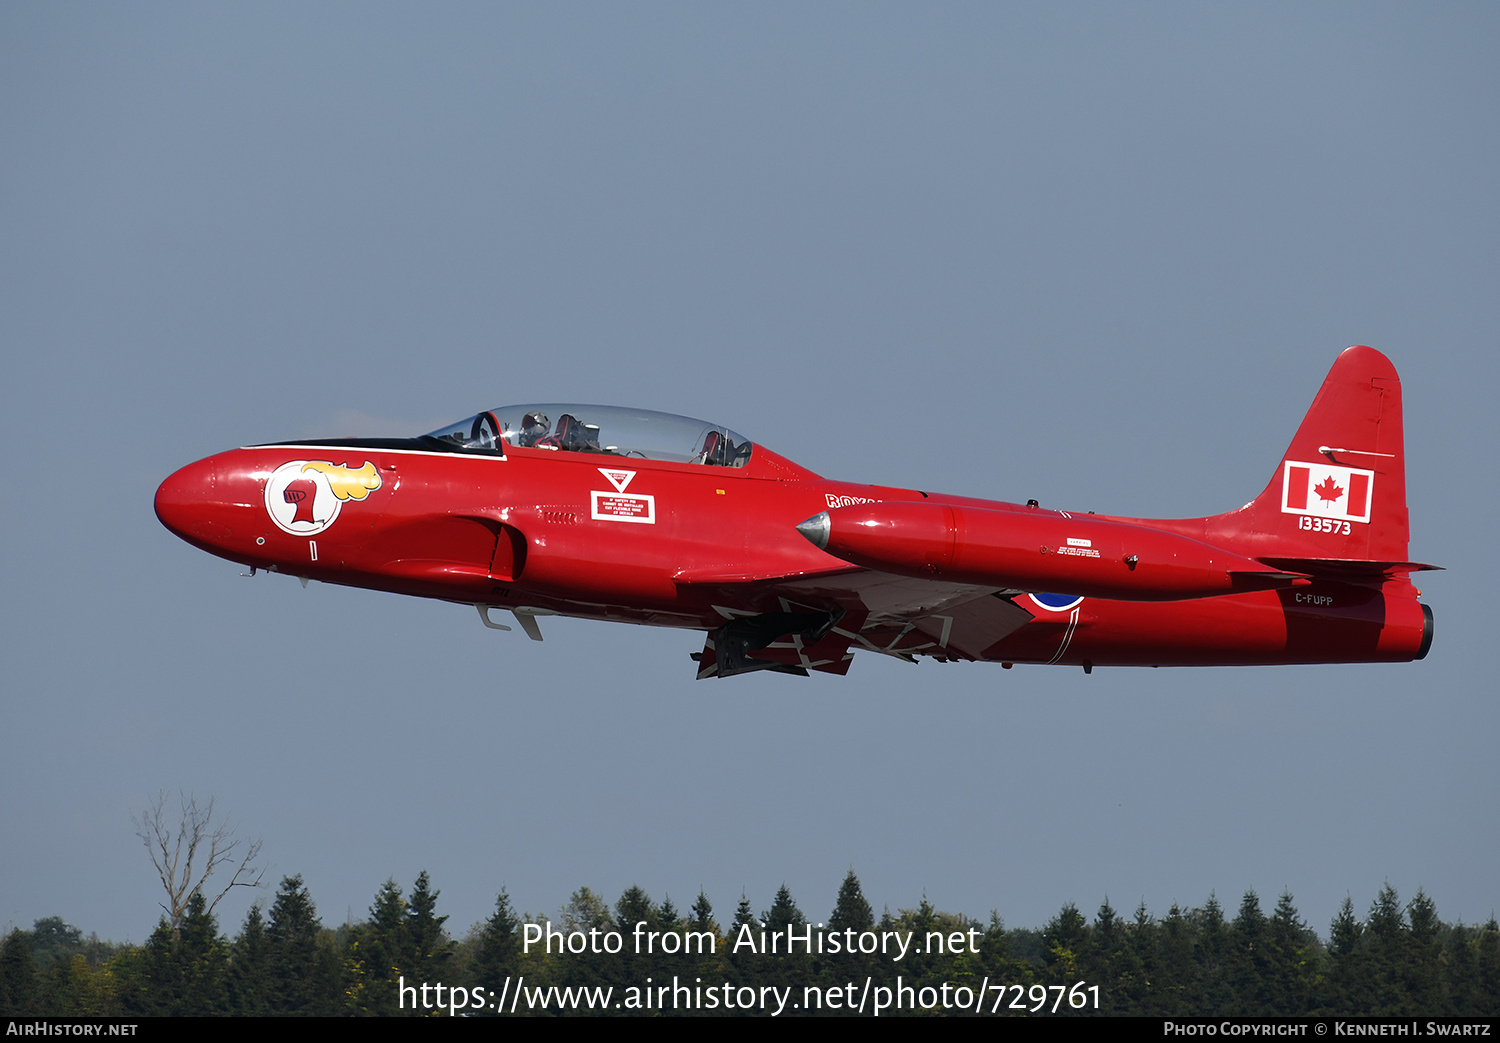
{"x": 787, "y": 570}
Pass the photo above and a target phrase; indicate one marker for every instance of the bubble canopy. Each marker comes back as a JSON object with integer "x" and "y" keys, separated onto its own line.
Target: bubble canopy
{"x": 606, "y": 430}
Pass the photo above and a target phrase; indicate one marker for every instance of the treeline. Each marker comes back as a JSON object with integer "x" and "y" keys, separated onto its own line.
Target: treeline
{"x": 1398, "y": 960}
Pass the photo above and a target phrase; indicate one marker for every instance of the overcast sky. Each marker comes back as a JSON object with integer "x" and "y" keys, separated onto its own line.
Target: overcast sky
{"x": 1099, "y": 255}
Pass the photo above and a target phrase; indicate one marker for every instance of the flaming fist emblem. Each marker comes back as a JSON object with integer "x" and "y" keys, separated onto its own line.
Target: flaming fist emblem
{"x": 303, "y": 497}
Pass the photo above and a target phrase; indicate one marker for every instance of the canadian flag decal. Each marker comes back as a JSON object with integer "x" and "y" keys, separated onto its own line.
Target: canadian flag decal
{"x": 1326, "y": 491}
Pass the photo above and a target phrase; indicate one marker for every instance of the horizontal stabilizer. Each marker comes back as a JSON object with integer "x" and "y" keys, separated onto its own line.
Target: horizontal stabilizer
{"x": 1349, "y": 568}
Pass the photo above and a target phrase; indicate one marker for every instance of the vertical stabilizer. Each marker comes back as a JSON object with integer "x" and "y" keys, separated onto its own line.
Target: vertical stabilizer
{"x": 1340, "y": 490}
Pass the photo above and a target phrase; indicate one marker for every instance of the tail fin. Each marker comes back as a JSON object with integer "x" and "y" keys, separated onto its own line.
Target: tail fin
{"x": 1337, "y": 503}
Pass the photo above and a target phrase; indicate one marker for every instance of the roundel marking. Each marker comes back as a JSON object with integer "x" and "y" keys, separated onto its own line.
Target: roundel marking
{"x": 1056, "y": 602}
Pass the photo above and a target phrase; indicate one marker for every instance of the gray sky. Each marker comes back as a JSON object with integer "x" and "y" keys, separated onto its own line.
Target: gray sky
{"x": 1100, "y": 255}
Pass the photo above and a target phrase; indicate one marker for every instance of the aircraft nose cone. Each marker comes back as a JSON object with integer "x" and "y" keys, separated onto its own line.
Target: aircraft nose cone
{"x": 184, "y": 499}
{"x": 816, "y": 530}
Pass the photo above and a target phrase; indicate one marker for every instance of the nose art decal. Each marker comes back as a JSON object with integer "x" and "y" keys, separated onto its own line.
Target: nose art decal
{"x": 303, "y": 497}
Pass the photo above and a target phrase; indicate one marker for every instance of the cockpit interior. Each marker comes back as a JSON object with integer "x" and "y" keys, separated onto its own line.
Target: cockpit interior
{"x": 605, "y": 430}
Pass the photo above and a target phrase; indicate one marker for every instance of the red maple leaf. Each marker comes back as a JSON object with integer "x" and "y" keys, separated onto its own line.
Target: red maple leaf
{"x": 1328, "y": 492}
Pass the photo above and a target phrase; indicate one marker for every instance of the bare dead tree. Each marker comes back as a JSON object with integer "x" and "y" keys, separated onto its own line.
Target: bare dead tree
{"x": 186, "y": 857}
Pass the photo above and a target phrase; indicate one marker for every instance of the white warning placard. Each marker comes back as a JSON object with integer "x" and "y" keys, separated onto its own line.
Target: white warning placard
{"x": 622, "y": 507}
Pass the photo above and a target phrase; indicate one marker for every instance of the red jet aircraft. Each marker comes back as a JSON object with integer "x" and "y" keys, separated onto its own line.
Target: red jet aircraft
{"x": 641, "y": 517}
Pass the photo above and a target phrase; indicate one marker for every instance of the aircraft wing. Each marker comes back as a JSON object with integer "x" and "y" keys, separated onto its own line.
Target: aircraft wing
{"x": 871, "y": 611}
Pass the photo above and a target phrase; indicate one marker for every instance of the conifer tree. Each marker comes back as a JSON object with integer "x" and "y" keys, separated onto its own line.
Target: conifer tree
{"x": 427, "y": 950}
{"x": 920, "y": 921}
{"x": 1291, "y": 961}
{"x": 586, "y": 911}
{"x": 1112, "y": 962}
{"x": 304, "y": 975}
{"x": 703, "y": 914}
{"x": 710, "y": 962}
{"x": 1064, "y": 944}
{"x": 377, "y": 955}
{"x": 635, "y": 906}
{"x": 1487, "y": 967}
{"x": 250, "y": 968}
{"x": 784, "y": 969}
{"x": 18, "y": 978}
{"x": 1383, "y": 977}
{"x": 783, "y": 912}
{"x": 1423, "y": 965}
{"x": 742, "y": 915}
{"x": 1175, "y": 980}
{"x": 499, "y": 948}
{"x": 1249, "y": 952}
{"x": 1343, "y": 992}
{"x": 852, "y": 910}
{"x": 1345, "y": 931}
{"x": 998, "y": 955}
{"x": 205, "y": 961}
{"x": 1387, "y": 922}
{"x": 1144, "y": 940}
{"x": 184, "y": 972}
{"x": 743, "y": 962}
{"x": 1213, "y": 952}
